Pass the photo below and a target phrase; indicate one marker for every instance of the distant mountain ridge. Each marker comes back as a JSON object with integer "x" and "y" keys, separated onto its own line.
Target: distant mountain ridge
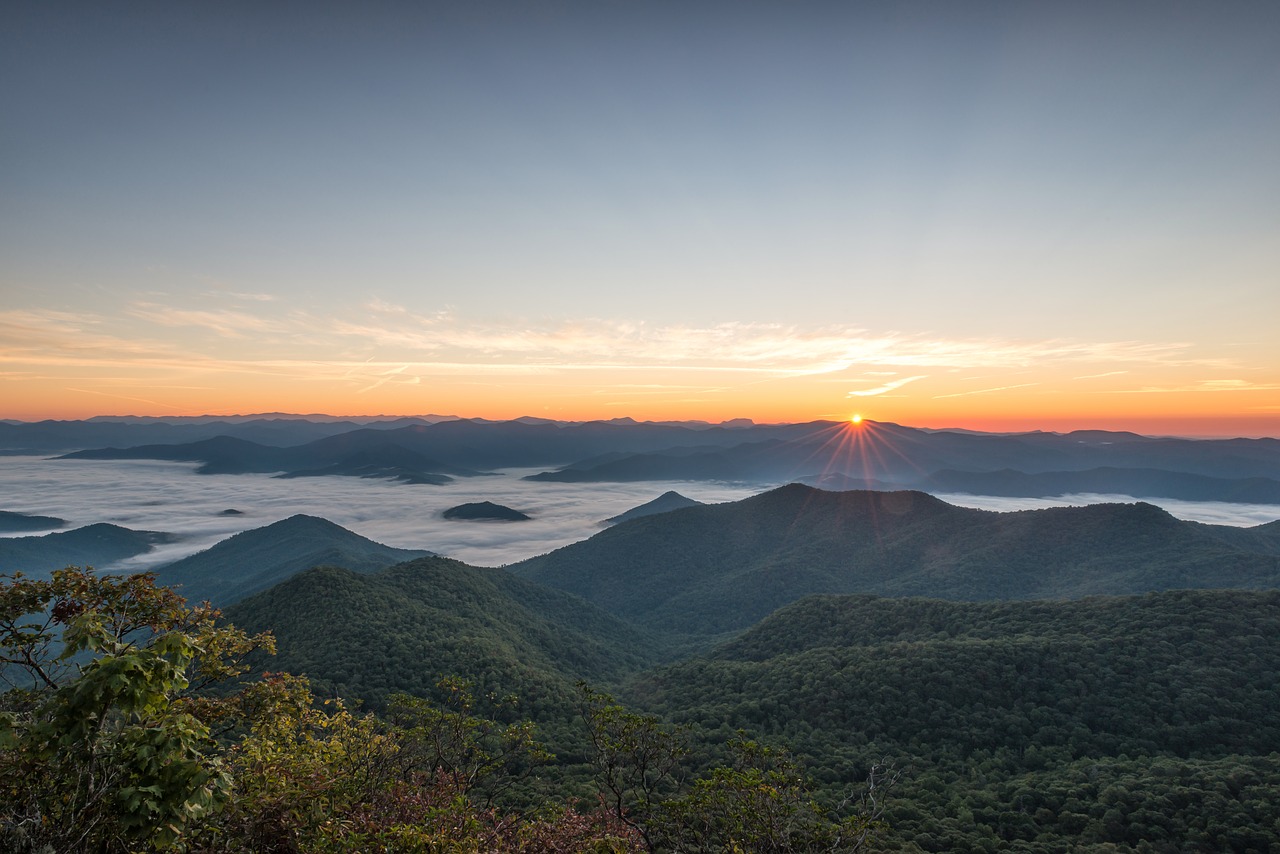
{"x": 1139, "y": 483}
{"x": 63, "y": 436}
{"x": 821, "y": 452}
{"x": 703, "y": 571}
{"x": 464, "y": 444}
{"x": 909, "y": 457}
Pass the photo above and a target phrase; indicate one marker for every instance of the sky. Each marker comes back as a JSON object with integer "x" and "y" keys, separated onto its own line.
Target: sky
{"x": 996, "y": 216}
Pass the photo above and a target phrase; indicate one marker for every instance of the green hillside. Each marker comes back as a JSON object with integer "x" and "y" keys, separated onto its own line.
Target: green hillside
{"x": 254, "y": 560}
{"x": 1031, "y": 725}
{"x": 365, "y": 636}
{"x": 711, "y": 570}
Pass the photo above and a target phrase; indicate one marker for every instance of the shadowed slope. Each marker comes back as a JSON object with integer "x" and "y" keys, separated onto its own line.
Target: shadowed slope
{"x": 364, "y": 636}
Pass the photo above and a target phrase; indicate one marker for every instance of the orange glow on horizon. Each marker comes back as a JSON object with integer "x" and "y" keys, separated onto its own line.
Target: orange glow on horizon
{"x": 662, "y": 397}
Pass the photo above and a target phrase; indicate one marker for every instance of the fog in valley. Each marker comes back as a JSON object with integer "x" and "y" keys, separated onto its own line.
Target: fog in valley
{"x": 170, "y": 497}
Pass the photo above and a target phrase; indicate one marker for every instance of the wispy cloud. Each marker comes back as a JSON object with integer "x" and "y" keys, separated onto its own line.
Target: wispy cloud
{"x": 984, "y": 390}
{"x": 229, "y": 324}
{"x": 1201, "y": 386}
{"x": 889, "y": 386}
{"x": 1100, "y": 376}
{"x": 392, "y": 375}
{"x": 124, "y": 397}
{"x": 379, "y": 344}
{"x": 777, "y": 348}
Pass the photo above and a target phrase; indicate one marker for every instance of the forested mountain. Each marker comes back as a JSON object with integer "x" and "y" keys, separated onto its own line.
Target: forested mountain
{"x": 98, "y": 545}
{"x": 706, "y": 570}
{"x": 402, "y": 629}
{"x": 13, "y": 522}
{"x": 1041, "y": 726}
{"x": 254, "y": 560}
{"x": 664, "y": 503}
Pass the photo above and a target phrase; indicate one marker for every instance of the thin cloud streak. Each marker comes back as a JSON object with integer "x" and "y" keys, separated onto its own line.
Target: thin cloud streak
{"x": 1202, "y": 386}
{"x": 887, "y": 387}
{"x": 123, "y": 397}
{"x": 984, "y": 390}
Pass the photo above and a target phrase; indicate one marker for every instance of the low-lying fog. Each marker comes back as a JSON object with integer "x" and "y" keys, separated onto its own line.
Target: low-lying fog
{"x": 170, "y": 497}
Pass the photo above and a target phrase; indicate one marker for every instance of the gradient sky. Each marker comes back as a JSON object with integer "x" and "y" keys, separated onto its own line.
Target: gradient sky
{"x": 987, "y": 215}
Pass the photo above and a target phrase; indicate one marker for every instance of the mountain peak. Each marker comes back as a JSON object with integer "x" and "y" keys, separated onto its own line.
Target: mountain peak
{"x": 258, "y": 558}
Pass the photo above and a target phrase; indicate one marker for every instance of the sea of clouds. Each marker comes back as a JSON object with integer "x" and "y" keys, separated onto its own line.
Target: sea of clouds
{"x": 170, "y": 497}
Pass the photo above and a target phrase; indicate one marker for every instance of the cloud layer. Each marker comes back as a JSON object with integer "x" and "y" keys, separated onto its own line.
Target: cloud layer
{"x": 161, "y": 496}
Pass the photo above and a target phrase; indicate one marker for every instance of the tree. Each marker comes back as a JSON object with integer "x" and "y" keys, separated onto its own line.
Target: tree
{"x": 761, "y": 803}
{"x": 637, "y": 760}
{"x": 764, "y": 804}
{"x": 480, "y": 757}
{"x": 105, "y": 743}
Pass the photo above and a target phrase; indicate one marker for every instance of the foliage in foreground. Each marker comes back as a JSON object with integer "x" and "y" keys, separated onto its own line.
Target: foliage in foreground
{"x": 112, "y": 741}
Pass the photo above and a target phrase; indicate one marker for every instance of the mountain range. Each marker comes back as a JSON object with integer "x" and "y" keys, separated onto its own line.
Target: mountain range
{"x": 829, "y": 454}
{"x": 703, "y": 571}
{"x": 969, "y": 647}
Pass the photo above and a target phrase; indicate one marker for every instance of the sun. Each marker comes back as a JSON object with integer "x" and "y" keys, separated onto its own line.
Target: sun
{"x": 855, "y": 419}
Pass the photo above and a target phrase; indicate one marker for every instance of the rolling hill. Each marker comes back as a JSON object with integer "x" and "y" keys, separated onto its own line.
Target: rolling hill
{"x": 254, "y": 560}
{"x": 364, "y": 636}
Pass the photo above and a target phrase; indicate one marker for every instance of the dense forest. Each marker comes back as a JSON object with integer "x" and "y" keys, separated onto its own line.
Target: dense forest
{"x": 130, "y": 726}
{"x": 1041, "y": 725}
{"x": 696, "y": 686}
